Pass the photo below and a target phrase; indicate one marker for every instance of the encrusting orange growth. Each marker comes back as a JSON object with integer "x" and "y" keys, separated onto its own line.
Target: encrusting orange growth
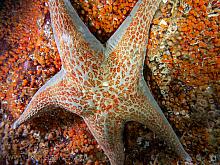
{"x": 103, "y": 17}
{"x": 195, "y": 47}
{"x": 198, "y": 44}
{"x": 183, "y": 55}
{"x": 23, "y": 50}
{"x": 80, "y": 139}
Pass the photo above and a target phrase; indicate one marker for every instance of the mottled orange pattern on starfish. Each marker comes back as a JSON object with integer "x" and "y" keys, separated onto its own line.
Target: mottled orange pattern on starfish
{"x": 103, "y": 84}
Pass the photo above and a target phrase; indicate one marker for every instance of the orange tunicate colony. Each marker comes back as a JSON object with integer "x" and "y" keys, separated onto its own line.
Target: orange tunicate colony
{"x": 103, "y": 17}
{"x": 200, "y": 43}
{"x": 29, "y": 57}
{"x": 183, "y": 55}
{"x": 194, "y": 51}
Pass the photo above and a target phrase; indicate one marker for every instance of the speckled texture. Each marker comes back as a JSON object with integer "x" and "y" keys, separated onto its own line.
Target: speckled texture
{"x": 106, "y": 89}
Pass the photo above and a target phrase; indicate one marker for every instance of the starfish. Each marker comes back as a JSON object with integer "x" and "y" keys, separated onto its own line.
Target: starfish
{"x": 103, "y": 83}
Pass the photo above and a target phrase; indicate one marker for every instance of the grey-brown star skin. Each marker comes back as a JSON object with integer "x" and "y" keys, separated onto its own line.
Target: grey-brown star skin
{"x": 103, "y": 84}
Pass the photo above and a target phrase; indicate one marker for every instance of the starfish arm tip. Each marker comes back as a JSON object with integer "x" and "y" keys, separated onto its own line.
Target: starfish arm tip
{"x": 15, "y": 124}
{"x": 188, "y": 157}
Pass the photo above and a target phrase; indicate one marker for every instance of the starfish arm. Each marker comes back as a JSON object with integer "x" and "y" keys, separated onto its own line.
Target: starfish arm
{"x": 133, "y": 32}
{"x": 127, "y": 47}
{"x": 144, "y": 109}
{"x": 76, "y": 45}
{"x": 108, "y": 131}
{"x": 55, "y": 93}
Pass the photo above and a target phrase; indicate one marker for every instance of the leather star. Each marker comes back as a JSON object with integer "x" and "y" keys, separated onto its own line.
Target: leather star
{"x": 103, "y": 84}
